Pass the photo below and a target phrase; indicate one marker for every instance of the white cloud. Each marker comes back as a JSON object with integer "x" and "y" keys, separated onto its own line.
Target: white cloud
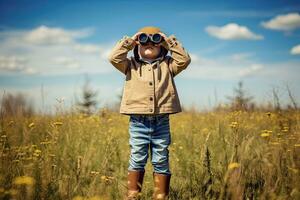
{"x": 251, "y": 70}
{"x": 15, "y": 64}
{"x": 46, "y": 35}
{"x": 295, "y": 50}
{"x": 241, "y": 56}
{"x": 286, "y": 22}
{"x": 30, "y": 70}
{"x": 218, "y": 68}
{"x": 53, "y": 50}
{"x": 67, "y": 62}
{"x": 106, "y": 52}
{"x": 12, "y": 63}
{"x": 194, "y": 57}
{"x": 88, "y": 48}
{"x": 225, "y": 68}
{"x": 232, "y": 31}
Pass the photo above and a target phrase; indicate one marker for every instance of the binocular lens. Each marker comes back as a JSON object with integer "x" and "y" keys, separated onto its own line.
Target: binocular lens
{"x": 156, "y": 38}
{"x": 143, "y": 38}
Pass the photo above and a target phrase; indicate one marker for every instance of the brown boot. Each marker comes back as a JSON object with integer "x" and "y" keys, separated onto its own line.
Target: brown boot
{"x": 134, "y": 184}
{"x": 161, "y": 186}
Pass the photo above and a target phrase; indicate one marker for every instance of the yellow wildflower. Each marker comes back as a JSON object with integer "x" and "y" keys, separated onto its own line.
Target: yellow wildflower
{"x": 37, "y": 153}
{"x": 265, "y": 135}
{"x": 107, "y": 178}
{"x": 31, "y": 125}
{"x": 233, "y": 165}
{"x": 45, "y": 142}
{"x": 233, "y": 124}
{"x": 24, "y": 180}
{"x": 285, "y": 129}
{"x": 57, "y": 123}
{"x": 94, "y": 172}
{"x": 274, "y": 143}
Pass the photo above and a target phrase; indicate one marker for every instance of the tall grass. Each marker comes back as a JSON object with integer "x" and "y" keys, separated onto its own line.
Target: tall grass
{"x": 214, "y": 155}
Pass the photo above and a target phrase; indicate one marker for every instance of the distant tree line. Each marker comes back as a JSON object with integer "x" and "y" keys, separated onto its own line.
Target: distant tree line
{"x": 241, "y": 101}
{"x": 19, "y": 104}
{"x": 16, "y": 105}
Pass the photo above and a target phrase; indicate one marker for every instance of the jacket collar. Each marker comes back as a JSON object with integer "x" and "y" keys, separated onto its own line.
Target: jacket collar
{"x": 138, "y": 65}
{"x": 139, "y": 61}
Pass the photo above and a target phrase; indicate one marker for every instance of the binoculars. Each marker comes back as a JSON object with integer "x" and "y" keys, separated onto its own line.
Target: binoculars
{"x": 144, "y": 38}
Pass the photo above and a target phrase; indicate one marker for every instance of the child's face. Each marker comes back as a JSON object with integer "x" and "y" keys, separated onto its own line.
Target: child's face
{"x": 150, "y": 50}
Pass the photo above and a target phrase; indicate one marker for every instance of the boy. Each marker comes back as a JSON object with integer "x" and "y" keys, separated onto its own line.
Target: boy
{"x": 149, "y": 96}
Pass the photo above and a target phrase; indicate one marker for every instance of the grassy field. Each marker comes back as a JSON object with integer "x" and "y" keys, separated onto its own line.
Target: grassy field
{"x": 224, "y": 155}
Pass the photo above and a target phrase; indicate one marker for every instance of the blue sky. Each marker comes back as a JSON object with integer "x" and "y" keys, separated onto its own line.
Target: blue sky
{"x": 53, "y": 44}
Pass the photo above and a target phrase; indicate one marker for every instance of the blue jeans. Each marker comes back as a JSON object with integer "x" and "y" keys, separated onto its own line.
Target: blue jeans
{"x": 149, "y": 131}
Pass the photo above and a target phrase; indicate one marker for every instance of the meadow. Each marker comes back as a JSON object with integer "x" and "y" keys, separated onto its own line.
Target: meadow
{"x": 213, "y": 155}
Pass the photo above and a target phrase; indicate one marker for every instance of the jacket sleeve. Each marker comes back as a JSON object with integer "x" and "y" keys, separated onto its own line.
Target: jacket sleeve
{"x": 118, "y": 55}
{"x": 180, "y": 58}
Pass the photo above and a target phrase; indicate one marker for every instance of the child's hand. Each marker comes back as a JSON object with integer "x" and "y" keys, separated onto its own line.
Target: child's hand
{"x": 135, "y": 38}
{"x": 163, "y": 35}
{"x": 164, "y": 43}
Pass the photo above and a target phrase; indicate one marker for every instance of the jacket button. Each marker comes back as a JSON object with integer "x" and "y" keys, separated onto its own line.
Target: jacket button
{"x": 151, "y": 98}
{"x": 151, "y": 110}
{"x": 150, "y": 83}
{"x": 149, "y": 69}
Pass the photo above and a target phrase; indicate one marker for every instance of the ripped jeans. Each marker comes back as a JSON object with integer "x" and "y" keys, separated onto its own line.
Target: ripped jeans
{"x": 149, "y": 132}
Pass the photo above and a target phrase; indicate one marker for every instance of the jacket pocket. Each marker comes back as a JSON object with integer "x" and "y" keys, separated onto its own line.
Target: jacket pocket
{"x": 137, "y": 94}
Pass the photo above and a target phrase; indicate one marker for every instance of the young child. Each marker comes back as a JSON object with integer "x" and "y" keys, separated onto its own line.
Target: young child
{"x": 149, "y": 97}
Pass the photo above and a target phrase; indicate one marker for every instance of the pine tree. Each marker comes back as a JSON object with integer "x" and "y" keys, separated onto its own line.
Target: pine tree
{"x": 240, "y": 101}
{"x": 88, "y": 104}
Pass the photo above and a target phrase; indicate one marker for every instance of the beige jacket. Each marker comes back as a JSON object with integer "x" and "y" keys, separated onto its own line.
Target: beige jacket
{"x": 149, "y": 87}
